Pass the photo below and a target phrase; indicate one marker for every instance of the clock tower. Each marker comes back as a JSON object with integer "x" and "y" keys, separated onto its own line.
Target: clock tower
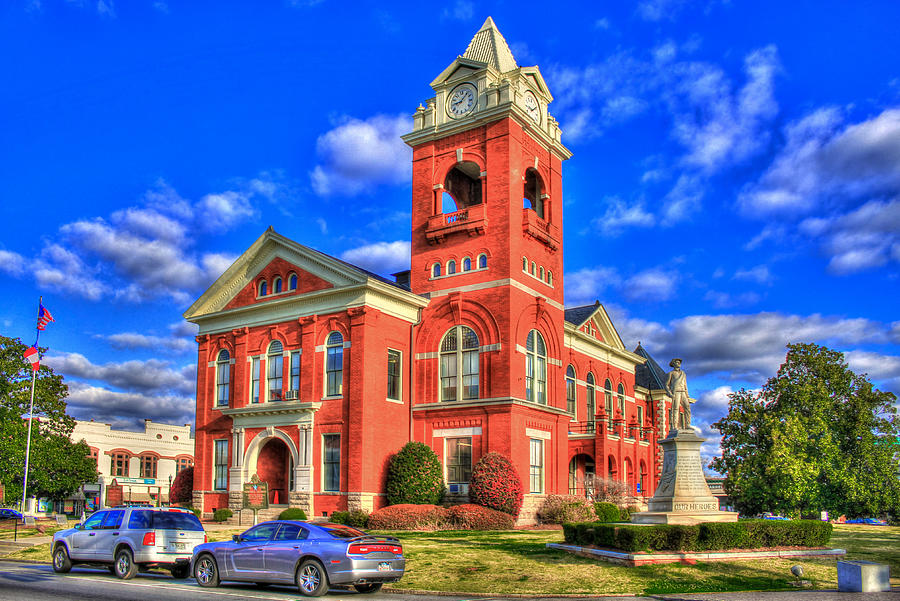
{"x": 487, "y": 250}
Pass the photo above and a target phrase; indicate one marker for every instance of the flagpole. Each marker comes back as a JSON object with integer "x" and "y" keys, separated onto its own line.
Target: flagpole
{"x": 31, "y": 410}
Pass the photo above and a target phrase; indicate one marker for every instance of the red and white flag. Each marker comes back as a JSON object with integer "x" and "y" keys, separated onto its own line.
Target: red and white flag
{"x": 32, "y": 356}
{"x": 44, "y": 317}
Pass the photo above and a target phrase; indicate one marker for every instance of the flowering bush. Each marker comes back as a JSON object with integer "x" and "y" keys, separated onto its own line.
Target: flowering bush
{"x": 559, "y": 509}
{"x": 408, "y": 517}
{"x": 496, "y": 484}
{"x": 415, "y": 476}
{"x": 476, "y": 517}
{"x": 182, "y": 489}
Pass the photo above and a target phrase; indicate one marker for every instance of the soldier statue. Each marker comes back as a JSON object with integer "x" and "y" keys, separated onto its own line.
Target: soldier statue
{"x": 676, "y": 386}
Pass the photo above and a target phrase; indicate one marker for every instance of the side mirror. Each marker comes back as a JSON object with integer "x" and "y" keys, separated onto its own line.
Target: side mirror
{"x": 79, "y": 526}
{"x": 236, "y": 538}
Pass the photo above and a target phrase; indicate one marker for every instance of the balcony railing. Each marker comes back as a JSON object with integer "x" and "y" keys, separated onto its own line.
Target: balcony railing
{"x": 471, "y": 220}
{"x": 540, "y": 229}
{"x": 582, "y": 427}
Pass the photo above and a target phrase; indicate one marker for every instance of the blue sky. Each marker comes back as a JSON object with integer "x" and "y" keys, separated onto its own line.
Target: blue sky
{"x": 735, "y": 184}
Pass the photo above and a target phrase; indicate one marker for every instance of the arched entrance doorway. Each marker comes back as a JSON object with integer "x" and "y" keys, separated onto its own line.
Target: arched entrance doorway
{"x": 274, "y": 466}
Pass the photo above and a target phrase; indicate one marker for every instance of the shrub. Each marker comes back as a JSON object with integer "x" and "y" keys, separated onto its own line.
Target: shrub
{"x": 356, "y": 518}
{"x": 408, "y": 517}
{"x": 475, "y": 517}
{"x": 724, "y": 535}
{"x": 222, "y": 515}
{"x": 182, "y": 489}
{"x": 607, "y": 512}
{"x": 496, "y": 484}
{"x": 608, "y": 491}
{"x": 292, "y": 513}
{"x": 415, "y": 476}
{"x": 624, "y": 514}
{"x": 196, "y": 511}
{"x": 559, "y": 509}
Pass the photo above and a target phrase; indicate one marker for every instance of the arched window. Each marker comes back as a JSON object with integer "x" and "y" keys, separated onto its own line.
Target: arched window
{"x": 148, "y": 466}
{"x": 536, "y": 368}
{"x": 451, "y": 267}
{"x": 570, "y": 391}
{"x": 263, "y": 288}
{"x": 463, "y": 184}
{"x": 223, "y": 378}
{"x": 533, "y": 268}
{"x": 482, "y": 261}
{"x": 541, "y": 273}
{"x": 549, "y": 277}
{"x": 459, "y": 356}
{"x": 276, "y": 285}
{"x": 334, "y": 364}
{"x": 621, "y": 391}
{"x": 608, "y": 398}
{"x": 534, "y": 192}
{"x": 275, "y": 368}
{"x": 467, "y": 264}
{"x": 591, "y": 399}
{"x": 292, "y": 282}
{"x": 525, "y": 264}
{"x": 436, "y": 270}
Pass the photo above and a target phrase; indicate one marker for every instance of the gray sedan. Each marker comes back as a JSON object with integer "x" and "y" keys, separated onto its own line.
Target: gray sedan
{"x": 311, "y": 556}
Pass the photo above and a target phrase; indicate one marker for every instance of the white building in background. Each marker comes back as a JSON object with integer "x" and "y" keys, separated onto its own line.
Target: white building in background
{"x": 142, "y": 463}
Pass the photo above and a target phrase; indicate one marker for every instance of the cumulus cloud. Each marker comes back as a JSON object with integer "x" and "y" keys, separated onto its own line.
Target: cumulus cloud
{"x": 180, "y": 340}
{"x": 12, "y": 263}
{"x": 651, "y": 285}
{"x": 380, "y": 257}
{"x": 127, "y": 410}
{"x": 587, "y": 285}
{"x": 358, "y": 154}
{"x": 727, "y": 300}
{"x": 620, "y": 215}
{"x": 145, "y": 377}
{"x": 657, "y": 10}
{"x": 759, "y": 274}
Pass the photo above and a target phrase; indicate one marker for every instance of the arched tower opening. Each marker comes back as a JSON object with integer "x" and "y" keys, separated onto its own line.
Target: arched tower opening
{"x": 462, "y": 187}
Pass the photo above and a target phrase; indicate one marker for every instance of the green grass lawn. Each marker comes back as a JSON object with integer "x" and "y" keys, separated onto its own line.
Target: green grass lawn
{"x": 518, "y": 562}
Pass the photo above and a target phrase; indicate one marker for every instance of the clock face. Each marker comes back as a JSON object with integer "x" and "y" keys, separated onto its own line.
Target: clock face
{"x": 461, "y": 101}
{"x": 532, "y": 108}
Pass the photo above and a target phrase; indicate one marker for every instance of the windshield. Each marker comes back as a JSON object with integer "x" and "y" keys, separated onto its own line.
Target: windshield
{"x": 173, "y": 520}
{"x": 341, "y": 531}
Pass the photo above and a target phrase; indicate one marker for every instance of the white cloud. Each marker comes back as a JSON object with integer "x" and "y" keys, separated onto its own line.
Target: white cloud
{"x": 620, "y": 215}
{"x": 127, "y": 409}
{"x": 883, "y": 368}
{"x": 587, "y": 285}
{"x": 148, "y": 376}
{"x": 725, "y": 300}
{"x": 461, "y": 10}
{"x": 12, "y": 263}
{"x": 217, "y": 212}
{"x": 651, "y": 285}
{"x": 759, "y": 274}
{"x": 716, "y": 398}
{"x": 381, "y": 257}
{"x": 136, "y": 340}
{"x": 106, "y": 8}
{"x": 359, "y": 154}
{"x": 657, "y": 10}
{"x": 683, "y": 201}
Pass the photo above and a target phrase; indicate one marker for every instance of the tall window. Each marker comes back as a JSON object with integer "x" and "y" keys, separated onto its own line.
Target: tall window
{"x": 459, "y": 355}
{"x": 467, "y": 264}
{"x": 621, "y": 395}
{"x": 536, "y": 469}
{"x": 295, "y": 370}
{"x": 393, "y": 375}
{"x": 536, "y": 368}
{"x": 436, "y": 270}
{"x": 640, "y": 416}
{"x": 570, "y": 391}
{"x": 292, "y": 281}
{"x": 451, "y": 267}
{"x": 263, "y": 288}
{"x": 608, "y": 398}
{"x": 254, "y": 381}
{"x": 183, "y": 463}
{"x": 275, "y": 369}
{"x": 482, "y": 261}
{"x": 331, "y": 462}
{"x": 334, "y": 364}
{"x": 591, "y": 399}
{"x": 148, "y": 466}
{"x": 459, "y": 464}
{"x": 276, "y": 285}
{"x": 524, "y": 263}
{"x": 119, "y": 464}
{"x": 223, "y": 378}
{"x": 220, "y": 461}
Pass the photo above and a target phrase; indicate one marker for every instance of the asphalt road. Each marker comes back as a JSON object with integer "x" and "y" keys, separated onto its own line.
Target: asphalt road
{"x": 38, "y": 582}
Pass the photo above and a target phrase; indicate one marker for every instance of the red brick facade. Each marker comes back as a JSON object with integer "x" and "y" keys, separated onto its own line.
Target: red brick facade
{"x": 487, "y": 275}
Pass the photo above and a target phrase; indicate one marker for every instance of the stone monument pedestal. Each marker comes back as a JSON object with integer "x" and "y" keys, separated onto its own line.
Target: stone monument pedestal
{"x": 683, "y": 496}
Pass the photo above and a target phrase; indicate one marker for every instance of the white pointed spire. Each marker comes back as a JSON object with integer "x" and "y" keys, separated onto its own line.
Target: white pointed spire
{"x": 489, "y": 46}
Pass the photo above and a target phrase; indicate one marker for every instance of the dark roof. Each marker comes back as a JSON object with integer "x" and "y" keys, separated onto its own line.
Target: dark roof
{"x": 578, "y": 315}
{"x": 649, "y": 374}
{"x": 371, "y": 274}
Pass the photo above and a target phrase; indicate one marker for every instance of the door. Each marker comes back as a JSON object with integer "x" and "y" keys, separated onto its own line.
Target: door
{"x": 83, "y": 541}
{"x": 108, "y": 535}
{"x": 247, "y": 558}
{"x": 281, "y": 554}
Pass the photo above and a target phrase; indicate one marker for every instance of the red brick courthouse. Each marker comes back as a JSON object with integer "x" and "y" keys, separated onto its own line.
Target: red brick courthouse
{"x": 312, "y": 372}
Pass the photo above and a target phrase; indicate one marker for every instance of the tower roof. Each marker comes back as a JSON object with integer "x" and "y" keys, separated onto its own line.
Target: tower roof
{"x": 489, "y": 46}
{"x": 649, "y": 375}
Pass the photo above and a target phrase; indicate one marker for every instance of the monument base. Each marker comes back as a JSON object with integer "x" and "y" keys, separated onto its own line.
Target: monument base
{"x": 682, "y": 496}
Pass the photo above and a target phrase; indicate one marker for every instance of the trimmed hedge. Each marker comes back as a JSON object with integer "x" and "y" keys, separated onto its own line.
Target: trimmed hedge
{"x": 607, "y": 512}
{"x": 415, "y": 476}
{"x": 496, "y": 484}
{"x": 475, "y": 517}
{"x": 408, "y": 517}
{"x": 710, "y": 536}
{"x": 222, "y": 515}
{"x": 559, "y": 509}
{"x": 356, "y": 518}
{"x": 292, "y": 513}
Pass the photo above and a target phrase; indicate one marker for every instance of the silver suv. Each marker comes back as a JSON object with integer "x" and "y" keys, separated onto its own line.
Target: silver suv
{"x": 128, "y": 539}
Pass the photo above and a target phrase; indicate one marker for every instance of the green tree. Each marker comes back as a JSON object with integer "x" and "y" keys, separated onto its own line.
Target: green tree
{"x": 816, "y": 437}
{"x": 57, "y": 466}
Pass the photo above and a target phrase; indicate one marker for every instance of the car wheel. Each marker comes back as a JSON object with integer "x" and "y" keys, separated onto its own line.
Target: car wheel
{"x": 312, "y": 579}
{"x": 124, "y": 565}
{"x": 372, "y": 587}
{"x": 181, "y": 571}
{"x": 206, "y": 572}
{"x": 61, "y": 561}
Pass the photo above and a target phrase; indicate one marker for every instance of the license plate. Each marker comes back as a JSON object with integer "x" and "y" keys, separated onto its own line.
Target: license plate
{"x": 180, "y": 546}
{"x": 384, "y": 566}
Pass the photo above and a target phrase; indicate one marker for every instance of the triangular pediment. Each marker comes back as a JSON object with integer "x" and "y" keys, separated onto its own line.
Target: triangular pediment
{"x": 461, "y": 67}
{"x": 273, "y": 255}
{"x": 534, "y": 77}
{"x": 598, "y": 325}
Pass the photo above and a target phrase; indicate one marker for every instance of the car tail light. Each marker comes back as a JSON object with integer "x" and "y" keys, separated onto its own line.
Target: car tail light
{"x": 362, "y": 549}
{"x": 205, "y": 538}
{"x": 149, "y": 539}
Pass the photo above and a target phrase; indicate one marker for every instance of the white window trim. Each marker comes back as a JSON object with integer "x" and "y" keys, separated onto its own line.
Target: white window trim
{"x": 543, "y": 467}
{"x": 322, "y": 479}
{"x": 400, "y": 387}
{"x": 465, "y": 486}
{"x": 216, "y": 440}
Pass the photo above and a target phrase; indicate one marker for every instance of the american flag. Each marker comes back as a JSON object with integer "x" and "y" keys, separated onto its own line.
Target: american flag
{"x": 32, "y": 356}
{"x": 44, "y": 318}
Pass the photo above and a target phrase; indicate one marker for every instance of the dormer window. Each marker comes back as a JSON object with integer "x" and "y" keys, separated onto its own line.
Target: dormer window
{"x": 276, "y": 285}
{"x": 292, "y": 282}
{"x": 263, "y": 288}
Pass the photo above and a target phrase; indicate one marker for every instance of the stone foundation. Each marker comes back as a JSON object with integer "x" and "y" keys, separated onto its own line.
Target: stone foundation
{"x": 528, "y": 513}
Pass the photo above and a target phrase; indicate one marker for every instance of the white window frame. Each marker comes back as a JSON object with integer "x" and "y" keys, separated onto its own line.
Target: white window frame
{"x": 536, "y": 467}
{"x": 399, "y": 396}
{"x": 329, "y": 393}
{"x": 459, "y": 362}
{"x": 223, "y": 367}
{"x": 274, "y": 361}
{"x": 217, "y": 464}
{"x": 536, "y": 369}
{"x": 460, "y": 487}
